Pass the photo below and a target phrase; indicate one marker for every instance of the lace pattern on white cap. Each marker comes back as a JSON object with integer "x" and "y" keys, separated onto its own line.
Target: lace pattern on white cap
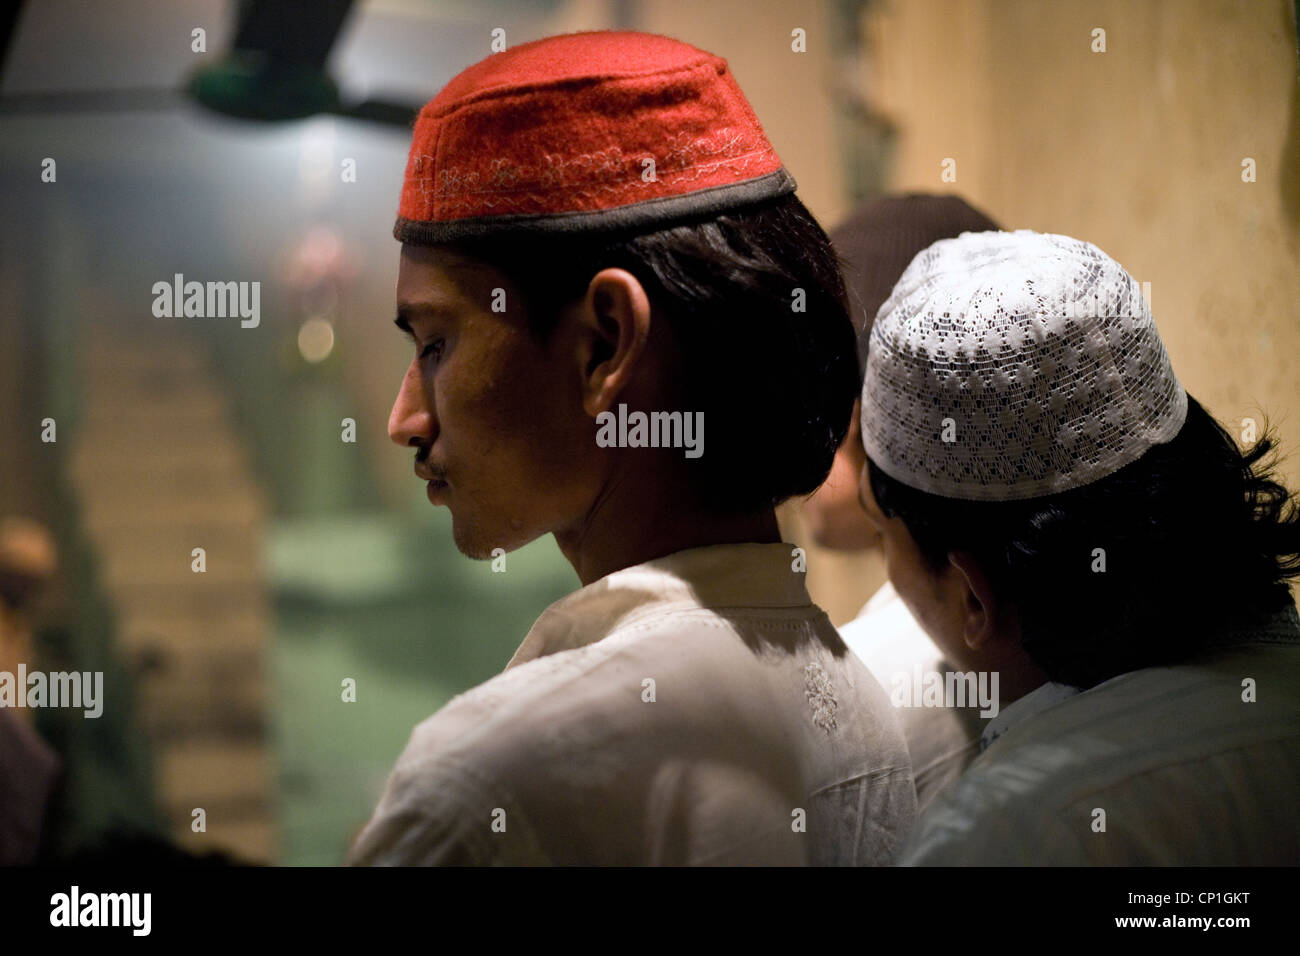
{"x": 1011, "y": 365}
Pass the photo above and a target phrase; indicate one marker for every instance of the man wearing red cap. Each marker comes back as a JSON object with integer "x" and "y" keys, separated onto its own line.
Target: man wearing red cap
{"x": 596, "y": 230}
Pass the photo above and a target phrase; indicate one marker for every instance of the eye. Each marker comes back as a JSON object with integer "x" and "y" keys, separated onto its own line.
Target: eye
{"x": 433, "y": 348}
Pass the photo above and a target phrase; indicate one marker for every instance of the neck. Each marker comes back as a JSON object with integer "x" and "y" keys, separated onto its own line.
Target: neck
{"x": 641, "y": 516}
{"x": 1018, "y": 675}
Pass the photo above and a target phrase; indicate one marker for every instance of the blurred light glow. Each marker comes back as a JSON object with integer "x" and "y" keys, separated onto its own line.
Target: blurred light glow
{"x": 316, "y": 339}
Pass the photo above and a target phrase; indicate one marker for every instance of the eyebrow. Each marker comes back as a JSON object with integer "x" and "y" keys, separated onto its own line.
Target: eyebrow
{"x": 407, "y": 311}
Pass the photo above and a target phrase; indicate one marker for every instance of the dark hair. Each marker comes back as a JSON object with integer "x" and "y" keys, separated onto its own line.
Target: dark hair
{"x": 1195, "y": 533}
{"x": 776, "y": 385}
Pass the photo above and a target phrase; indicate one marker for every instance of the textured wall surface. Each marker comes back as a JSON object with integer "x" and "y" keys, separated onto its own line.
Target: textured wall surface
{"x": 1139, "y": 150}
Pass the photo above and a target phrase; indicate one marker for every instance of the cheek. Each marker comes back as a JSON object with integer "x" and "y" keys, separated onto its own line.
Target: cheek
{"x": 478, "y": 392}
{"x": 916, "y": 583}
{"x": 509, "y": 422}
{"x": 903, "y": 567}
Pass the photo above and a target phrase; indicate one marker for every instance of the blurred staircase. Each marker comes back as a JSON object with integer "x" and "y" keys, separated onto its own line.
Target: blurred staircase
{"x": 158, "y": 471}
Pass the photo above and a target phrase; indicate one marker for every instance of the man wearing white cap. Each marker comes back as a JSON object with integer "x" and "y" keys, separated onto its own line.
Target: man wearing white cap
{"x": 1057, "y": 510}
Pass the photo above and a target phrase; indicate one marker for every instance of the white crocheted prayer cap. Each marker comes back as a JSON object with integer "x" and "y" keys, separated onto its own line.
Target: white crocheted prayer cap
{"x": 1010, "y": 365}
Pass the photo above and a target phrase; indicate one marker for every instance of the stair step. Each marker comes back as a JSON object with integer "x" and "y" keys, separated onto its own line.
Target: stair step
{"x": 209, "y": 602}
{"x": 248, "y": 841}
{"x": 198, "y": 770}
{"x": 159, "y": 469}
{"x": 204, "y": 515}
{"x": 144, "y": 449}
{"x": 235, "y": 628}
{"x": 176, "y": 694}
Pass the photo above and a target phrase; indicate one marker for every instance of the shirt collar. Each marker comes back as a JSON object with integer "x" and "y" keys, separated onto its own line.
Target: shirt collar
{"x": 722, "y": 575}
{"x": 1273, "y": 626}
{"x": 1037, "y": 700}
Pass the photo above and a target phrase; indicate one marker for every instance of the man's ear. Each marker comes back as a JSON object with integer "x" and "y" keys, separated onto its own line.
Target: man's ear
{"x": 615, "y": 325}
{"x": 980, "y": 606}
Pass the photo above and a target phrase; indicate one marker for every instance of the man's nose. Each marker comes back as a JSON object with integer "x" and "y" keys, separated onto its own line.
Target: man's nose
{"x": 411, "y": 421}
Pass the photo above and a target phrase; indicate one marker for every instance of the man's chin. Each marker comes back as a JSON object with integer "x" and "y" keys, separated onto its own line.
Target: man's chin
{"x": 480, "y": 546}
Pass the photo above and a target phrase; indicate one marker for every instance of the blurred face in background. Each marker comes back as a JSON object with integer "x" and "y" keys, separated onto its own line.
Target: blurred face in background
{"x": 937, "y": 597}
{"x": 495, "y": 417}
{"x": 833, "y": 513}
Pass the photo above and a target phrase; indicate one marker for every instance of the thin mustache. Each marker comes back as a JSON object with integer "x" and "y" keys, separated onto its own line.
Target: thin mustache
{"x": 427, "y": 471}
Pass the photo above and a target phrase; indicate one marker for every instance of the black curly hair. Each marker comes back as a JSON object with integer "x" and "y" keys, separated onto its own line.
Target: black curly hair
{"x": 1195, "y": 533}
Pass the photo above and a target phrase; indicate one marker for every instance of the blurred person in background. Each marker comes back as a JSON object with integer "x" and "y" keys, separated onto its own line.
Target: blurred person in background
{"x": 603, "y": 232}
{"x": 39, "y": 764}
{"x": 29, "y": 767}
{"x": 1056, "y": 509}
{"x": 876, "y": 244}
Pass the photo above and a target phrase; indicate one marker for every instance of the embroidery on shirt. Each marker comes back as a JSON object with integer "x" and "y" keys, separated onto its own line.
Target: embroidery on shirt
{"x": 821, "y": 695}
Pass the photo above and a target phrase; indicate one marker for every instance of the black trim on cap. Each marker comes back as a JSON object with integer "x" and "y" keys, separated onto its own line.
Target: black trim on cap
{"x": 650, "y": 212}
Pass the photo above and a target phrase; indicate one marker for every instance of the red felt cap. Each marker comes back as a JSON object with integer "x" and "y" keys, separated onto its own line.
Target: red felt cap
{"x": 555, "y": 136}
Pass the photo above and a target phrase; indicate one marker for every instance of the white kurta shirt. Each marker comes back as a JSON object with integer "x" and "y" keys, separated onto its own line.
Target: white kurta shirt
{"x": 696, "y": 709}
{"x": 942, "y": 741}
{"x": 1196, "y": 764}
